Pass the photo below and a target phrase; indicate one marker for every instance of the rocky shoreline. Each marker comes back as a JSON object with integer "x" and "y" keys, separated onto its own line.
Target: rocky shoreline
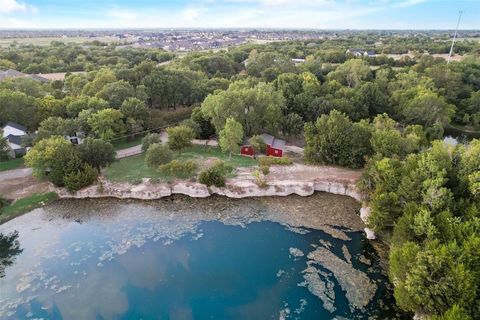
{"x": 298, "y": 180}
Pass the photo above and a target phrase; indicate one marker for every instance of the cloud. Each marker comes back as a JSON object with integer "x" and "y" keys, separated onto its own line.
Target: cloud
{"x": 12, "y": 6}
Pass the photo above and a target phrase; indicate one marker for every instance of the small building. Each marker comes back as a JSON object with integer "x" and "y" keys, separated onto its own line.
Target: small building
{"x": 14, "y": 133}
{"x": 247, "y": 150}
{"x": 361, "y": 52}
{"x": 274, "y": 146}
{"x": 298, "y": 61}
{"x": 76, "y": 138}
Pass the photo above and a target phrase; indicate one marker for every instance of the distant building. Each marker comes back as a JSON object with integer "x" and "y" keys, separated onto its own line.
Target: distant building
{"x": 298, "y": 61}
{"x": 361, "y": 53}
{"x": 14, "y": 134}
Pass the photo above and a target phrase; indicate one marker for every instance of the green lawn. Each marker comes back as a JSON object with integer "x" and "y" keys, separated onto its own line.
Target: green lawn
{"x": 124, "y": 143}
{"x": 26, "y": 204}
{"x": 134, "y": 168}
{"x": 11, "y": 164}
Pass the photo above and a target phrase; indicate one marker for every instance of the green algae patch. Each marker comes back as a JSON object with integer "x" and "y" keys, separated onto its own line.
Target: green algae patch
{"x": 26, "y": 204}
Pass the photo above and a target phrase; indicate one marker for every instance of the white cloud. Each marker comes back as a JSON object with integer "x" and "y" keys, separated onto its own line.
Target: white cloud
{"x": 12, "y": 6}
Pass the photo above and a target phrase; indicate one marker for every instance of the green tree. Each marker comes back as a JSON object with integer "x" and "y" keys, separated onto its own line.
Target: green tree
{"x": 351, "y": 73}
{"x": 158, "y": 154}
{"x": 53, "y": 158}
{"x": 115, "y": 93}
{"x": 97, "y": 153}
{"x": 4, "y": 148}
{"x": 150, "y": 139}
{"x": 334, "y": 139}
{"x": 231, "y": 136}
{"x": 179, "y": 138}
{"x": 107, "y": 124}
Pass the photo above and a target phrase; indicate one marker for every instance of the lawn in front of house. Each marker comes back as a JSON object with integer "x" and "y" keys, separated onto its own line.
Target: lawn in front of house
{"x": 134, "y": 168}
{"x": 11, "y": 164}
{"x": 26, "y": 204}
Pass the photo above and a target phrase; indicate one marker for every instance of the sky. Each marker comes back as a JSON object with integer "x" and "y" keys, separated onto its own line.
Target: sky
{"x": 292, "y": 14}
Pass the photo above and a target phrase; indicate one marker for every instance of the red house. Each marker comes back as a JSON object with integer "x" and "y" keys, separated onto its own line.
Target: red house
{"x": 247, "y": 151}
{"x": 274, "y": 147}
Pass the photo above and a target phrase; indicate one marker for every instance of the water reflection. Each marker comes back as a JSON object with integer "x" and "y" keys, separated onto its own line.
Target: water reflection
{"x": 186, "y": 260}
{"x": 9, "y": 249}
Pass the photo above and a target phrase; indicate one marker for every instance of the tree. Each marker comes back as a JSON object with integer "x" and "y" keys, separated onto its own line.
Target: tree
{"x": 53, "y": 158}
{"x": 231, "y": 136}
{"x": 107, "y": 124}
{"x": 4, "y": 148}
{"x": 18, "y": 107}
{"x": 334, "y": 139}
{"x": 56, "y": 126}
{"x": 115, "y": 93}
{"x": 292, "y": 124}
{"x": 351, "y": 73}
{"x": 179, "y": 138}
{"x": 158, "y": 154}
{"x": 256, "y": 108}
{"x": 258, "y": 144}
{"x": 97, "y": 153}
{"x": 136, "y": 114}
{"x": 79, "y": 179}
{"x": 150, "y": 139}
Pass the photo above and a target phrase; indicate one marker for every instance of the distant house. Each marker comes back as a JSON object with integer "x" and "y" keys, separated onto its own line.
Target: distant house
{"x": 274, "y": 147}
{"x": 76, "y": 138}
{"x": 14, "y": 134}
{"x": 298, "y": 61}
{"x": 361, "y": 52}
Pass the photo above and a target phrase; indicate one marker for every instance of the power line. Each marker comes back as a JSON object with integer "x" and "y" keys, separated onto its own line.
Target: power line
{"x": 454, "y": 36}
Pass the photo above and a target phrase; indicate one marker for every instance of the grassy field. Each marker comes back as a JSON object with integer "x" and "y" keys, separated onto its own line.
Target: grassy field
{"x": 124, "y": 143}
{"x": 26, "y": 204}
{"x": 134, "y": 168}
{"x": 11, "y": 164}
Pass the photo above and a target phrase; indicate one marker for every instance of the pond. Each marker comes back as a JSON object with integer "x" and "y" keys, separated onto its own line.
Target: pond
{"x": 189, "y": 259}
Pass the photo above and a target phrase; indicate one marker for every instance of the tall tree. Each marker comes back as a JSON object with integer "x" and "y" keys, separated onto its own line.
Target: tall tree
{"x": 231, "y": 136}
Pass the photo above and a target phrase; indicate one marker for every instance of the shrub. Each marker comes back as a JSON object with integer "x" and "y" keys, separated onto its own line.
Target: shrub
{"x": 268, "y": 161}
{"x": 260, "y": 179}
{"x": 136, "y": 181}
{"x": 150, "y": 139}
{"x": 215, "y": 175}
{"x": 180, "y": 138}
{"x": 3, "y": 203}
{"x": 258, "y": 144}
{"x": 77, "y": 180}
{"x": 158, "y": 154}
{"x": 265, "y": 170}
{"x": 179, "y": 169}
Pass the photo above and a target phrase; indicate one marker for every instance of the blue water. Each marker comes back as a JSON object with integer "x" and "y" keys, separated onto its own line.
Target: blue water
{"x": 124, "y": 268}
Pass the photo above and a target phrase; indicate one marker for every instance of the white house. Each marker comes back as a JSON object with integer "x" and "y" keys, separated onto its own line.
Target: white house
{"x": 14, "y": 134}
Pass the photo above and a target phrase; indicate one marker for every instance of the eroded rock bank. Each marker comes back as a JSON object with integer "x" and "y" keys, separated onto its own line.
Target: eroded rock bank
{"x": 282, "y": 181}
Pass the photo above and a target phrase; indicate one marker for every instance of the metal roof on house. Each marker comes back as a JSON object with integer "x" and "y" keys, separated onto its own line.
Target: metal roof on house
{"x": 14, "y": 139}
{"x": 16, "y": 126}
{"x": 272, "y": 141}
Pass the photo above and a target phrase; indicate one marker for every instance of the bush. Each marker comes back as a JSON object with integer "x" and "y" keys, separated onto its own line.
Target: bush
{"x": 150, "y": 139}
{"x": 158, "y": 154}
{"x": 268, "y": 161}
{"x": 215, "y": 175}
{"x": 265, "y": 170}
{"x": 3, "y": 203}
{"x": 258, "y": 144}
{"x": 260, "y": 179}
{"x": 74, "y": 181}
{"x": 179, "y": 169}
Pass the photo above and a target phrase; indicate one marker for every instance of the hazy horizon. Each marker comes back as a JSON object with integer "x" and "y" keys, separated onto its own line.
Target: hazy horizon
{"x": 240, "y": 14}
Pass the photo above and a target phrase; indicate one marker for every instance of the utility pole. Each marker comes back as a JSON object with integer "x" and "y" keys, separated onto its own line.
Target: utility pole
{"x": 454, "y": 36}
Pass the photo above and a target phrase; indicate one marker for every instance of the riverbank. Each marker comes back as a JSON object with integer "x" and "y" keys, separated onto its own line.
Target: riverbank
{"x": 297, "y": 179}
